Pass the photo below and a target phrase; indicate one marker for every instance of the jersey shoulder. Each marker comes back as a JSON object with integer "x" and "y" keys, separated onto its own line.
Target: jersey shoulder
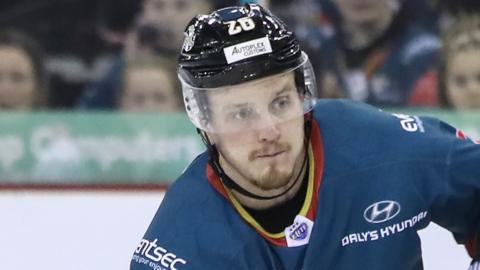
{"x": 192, "y": 226}
{"x": 361, "y": 130}
{"x": 341, "y": 114}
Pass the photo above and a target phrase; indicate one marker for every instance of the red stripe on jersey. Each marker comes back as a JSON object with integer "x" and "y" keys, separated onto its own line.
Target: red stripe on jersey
{"x": 317, "y": 145}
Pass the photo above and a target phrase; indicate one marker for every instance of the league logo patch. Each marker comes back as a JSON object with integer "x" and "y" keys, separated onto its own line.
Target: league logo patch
{"x": 298, "y": 234}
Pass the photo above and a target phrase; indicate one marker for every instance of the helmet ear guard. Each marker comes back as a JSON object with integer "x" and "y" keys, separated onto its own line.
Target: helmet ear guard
{"x": 306, "y": 84}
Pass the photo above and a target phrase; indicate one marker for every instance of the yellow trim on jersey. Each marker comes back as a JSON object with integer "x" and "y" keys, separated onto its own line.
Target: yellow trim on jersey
{"x": 303, "y": 211}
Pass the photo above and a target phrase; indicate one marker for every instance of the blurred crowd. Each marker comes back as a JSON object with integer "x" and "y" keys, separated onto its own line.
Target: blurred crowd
{"x": 121, "y": 54}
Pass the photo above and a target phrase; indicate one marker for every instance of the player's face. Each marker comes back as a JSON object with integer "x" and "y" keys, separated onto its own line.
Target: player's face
{"x": 17, "y": 80}
{"x": 363, "y": 11}
{"x": 463, "y": 80}
{"x": 149, "y": 89}
{"x": 260, "y": 128}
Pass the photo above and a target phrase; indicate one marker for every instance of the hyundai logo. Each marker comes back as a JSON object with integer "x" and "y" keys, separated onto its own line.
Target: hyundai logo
{"x": 381, "y": 211}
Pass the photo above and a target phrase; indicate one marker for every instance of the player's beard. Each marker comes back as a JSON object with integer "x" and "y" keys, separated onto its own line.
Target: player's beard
{"x": 266, "y": 176}
{"x": 271, "y": 178}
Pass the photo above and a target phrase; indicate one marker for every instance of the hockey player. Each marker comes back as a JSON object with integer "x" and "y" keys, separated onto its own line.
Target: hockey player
{"x": 292, "y": 183}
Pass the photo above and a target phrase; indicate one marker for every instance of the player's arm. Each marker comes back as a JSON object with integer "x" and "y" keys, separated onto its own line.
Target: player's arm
{"x": 465, "y": 166}
{"x": 456, "y": 204}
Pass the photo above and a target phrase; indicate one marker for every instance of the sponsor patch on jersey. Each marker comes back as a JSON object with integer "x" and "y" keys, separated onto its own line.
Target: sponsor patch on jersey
{"x": 410, "y": 123}
{"x": 381, "y": 211}
{"x": 156, "y": 257}
{"x": 248, "y": 49}
{"x": 384, "y": 231}
{"x": 298, "y": 234}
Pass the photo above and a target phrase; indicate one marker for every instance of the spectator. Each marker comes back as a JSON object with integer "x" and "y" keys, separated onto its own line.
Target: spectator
{"x": 377, "y": 56}
{"x": 461, "y": 64}
{"x": 72, "y": 35}
{"x": 150, "y": 86}
{"x": 159, "y": 28}
{"x": 157, "y": 32}
{"x": 23, "y": 81}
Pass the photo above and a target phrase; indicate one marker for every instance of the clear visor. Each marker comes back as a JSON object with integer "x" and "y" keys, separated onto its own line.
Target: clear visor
{"x": 253, "y": 105}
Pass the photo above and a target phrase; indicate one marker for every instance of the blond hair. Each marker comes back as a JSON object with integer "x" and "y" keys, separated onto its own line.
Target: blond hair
{"x": 160, "y": 63}
{"x": 461, "y": 36}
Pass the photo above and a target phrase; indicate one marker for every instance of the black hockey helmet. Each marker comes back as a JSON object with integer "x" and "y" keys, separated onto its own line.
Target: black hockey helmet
{"x": 236, "y": 45}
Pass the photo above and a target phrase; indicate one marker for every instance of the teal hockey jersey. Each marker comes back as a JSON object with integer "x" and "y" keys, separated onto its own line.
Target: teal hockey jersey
{"x": 374, "y": 180}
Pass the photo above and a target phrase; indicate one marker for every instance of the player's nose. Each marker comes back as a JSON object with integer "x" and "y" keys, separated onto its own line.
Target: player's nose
{"x": 268, "y": 130}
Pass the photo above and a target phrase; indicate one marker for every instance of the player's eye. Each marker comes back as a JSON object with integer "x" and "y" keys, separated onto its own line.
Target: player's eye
{"x": 242, "y": 114}
{"x": 281, "y": 104}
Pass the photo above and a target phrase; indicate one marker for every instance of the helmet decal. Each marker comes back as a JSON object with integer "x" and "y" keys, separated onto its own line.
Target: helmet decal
{"x": 239, "y": 45}
{"x": 203, "y": 63}
{"x": 242, "y": 24}
{"x": 189, "y": 40}
{"x": 247, "y": 49}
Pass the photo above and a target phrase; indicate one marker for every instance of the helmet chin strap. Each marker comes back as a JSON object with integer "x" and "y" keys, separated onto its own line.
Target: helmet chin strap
{"x": 227, "y": 181}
